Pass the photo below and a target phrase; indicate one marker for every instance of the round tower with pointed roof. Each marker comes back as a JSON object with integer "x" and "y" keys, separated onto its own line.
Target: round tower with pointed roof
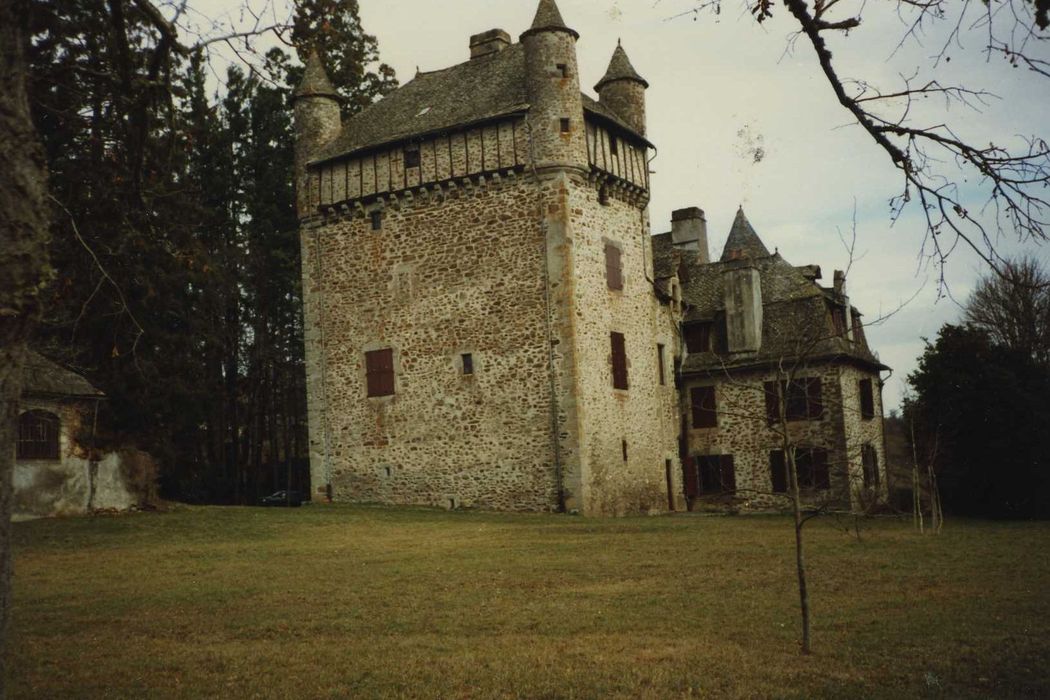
{"x": 623, "y": 90}
{"x": 317, "y": 121}
{"x": 557, "y": 131}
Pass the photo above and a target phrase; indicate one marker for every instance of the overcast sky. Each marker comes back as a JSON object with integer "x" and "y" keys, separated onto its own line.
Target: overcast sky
{"x": 723, "y": 89}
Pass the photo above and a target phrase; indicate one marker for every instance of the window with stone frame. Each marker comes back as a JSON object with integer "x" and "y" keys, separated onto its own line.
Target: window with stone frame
{"x": 812, "y": 465}
{"x": 869, "y": 459}
{"x": 38, "y": 435}
{"x": 804, "y": 399}
{"x": 379, "y": 372}
{"x": 716, "y": 474}
{"x": 619, "y": 360}
{"x": 698, "y": 336}
{"x": 613, "y": 266}
{"x": 704, "y": 408}
{"x": 867, "y": 399}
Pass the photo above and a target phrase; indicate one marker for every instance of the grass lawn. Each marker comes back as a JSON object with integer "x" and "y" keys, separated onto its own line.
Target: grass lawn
{"x": 341, "y": 601}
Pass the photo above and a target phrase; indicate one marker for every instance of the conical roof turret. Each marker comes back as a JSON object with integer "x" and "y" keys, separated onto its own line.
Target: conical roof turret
{"x": 620, "y": 68}
{"x": 548, "y": 19}
{"x": 743, "y": 242}
{"x": 315, "y": 82}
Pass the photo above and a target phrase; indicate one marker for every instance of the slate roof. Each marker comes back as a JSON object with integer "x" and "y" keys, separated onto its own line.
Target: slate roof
{"x": 315, "y": 82}
{"x": 41, "y": 376}
{"x": 620, "y": 68}
{"x": 795, "y": 313}
{"x": 469, "y": 93}
{"x": 548, "y": 18}
{"x": 743, "y": 241}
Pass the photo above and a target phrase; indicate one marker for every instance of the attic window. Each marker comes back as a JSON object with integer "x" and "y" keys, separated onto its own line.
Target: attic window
{"x": 563, "y": 70}
{"x": 411, "y": 157}
{"x": 565, "y": 125}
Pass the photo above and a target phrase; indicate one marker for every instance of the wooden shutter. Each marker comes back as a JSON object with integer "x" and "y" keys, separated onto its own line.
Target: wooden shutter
{"x": 379, "y": 372}
{"x": 619, "y": 360}
{"x": 819, "y": 461}
{"x": 613, "y": 267}
{"x": 867, "y": 400}
{"x": 814, "y": 398}
{"x": 698, "y": 337}
{"x": 772, "y": 400}
{"x": 702, "y": 399}
{"x": 870, "y": 461}
{"x": 797, "y": 407}
{"x": 689, "y": 477}
{"x": 778, "y": 471}
{"x": 728, "y": 473}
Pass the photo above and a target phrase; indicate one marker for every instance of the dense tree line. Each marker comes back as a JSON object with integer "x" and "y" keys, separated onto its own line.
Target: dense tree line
{"x": 175, "y": 248}
{"x": 981, "y": 403}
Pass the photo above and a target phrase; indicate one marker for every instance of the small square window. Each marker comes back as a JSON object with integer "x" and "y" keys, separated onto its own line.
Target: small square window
{"x": 377, "y": 220}
{"x": 565, "y": 125}
{"x": 563, "y": 70}
{"x": 468, "y": 363}
{"x": 411, "y": 157}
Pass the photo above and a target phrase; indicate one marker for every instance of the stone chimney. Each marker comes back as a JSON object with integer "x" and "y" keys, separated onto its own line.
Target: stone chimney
{"x": 689, "y": 232}
{"x": 743, "y": 301}
{"x": 492, "y": 41}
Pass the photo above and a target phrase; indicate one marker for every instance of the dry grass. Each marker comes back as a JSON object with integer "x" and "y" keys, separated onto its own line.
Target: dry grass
{"x": 338, "y": 601}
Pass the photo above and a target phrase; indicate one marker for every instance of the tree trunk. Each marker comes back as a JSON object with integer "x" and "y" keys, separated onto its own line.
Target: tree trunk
{"x": 23, "y": 262}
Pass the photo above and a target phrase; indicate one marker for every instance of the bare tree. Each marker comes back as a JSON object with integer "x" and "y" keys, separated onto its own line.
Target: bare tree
{"x": 23, "y": 262}
{"x": 932, "y": 157}
{"x": 1014, "y": 308}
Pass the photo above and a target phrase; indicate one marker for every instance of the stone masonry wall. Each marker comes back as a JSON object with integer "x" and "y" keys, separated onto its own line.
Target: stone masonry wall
{"x": 859, "y": 431}
{"x": 644, "y": 414}
{"x": 460, "y": 273}
{"x": 744, "y": 433}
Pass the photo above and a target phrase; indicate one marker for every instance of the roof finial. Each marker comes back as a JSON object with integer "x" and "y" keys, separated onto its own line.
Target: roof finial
{"x": 620, "y": 68}
{"x": 548, "y": 19}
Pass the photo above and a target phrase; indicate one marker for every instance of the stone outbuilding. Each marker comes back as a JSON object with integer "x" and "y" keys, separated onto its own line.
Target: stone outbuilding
{"x": 58, "y": 470}
{"x": 489, "y": 321}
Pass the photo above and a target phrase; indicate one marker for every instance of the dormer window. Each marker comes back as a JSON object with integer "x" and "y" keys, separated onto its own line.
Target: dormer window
{"x": 411, "y": 157}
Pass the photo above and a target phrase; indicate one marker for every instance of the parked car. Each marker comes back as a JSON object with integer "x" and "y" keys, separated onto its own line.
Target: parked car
{"x": 283, "y": 498}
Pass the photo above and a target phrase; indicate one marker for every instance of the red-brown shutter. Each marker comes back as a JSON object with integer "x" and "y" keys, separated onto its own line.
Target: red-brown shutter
{"x": 778, "y": 471}
{"x": 821, "y": 477}
{"x": 619, "y": 360}
{"x": 814, "y": 398}
{"x": 772, "y": 401}
{"x": 689, "y": 475}
{"x": 702, "y": 399}
{"x": 728, "y": 473}
{"x": 379, "y": 372}
{"x": 867, "y": 399}
{"x": 613, "y": 268}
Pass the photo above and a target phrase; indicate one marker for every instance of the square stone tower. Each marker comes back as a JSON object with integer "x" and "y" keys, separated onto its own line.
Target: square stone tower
{"x": 482, "y": 326}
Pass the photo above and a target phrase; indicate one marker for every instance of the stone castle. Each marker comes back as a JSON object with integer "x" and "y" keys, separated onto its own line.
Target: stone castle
{"x": 490, "y": 322}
